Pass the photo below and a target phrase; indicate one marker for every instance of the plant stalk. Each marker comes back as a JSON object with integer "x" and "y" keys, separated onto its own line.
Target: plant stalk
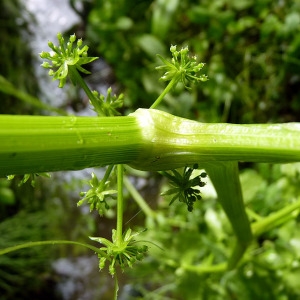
{"x": 79, "y": 80}
{"x": 139, "y": 199}
{"x": 225, "y": 178}
{"x": 54, "y": 242}
{"x": 35, "y": 144}
{"x": 173, "y": 142}
{"x": 148, "y": 139}
{"x": 167, "y": 89}
{"x": 120, "y": 205}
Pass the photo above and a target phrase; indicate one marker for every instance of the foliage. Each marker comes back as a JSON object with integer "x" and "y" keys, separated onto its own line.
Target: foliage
{"x": 184, "y": 188}
{"x": 16, "y": 58}
{"x": 108, "y": 105}
{"x": 253, "y": 75}
{"x": 97, "y": 195}
{"x": 30, "y": 177}
{"x": 250, "y": 49}
{"x": 25, "y": 268}
{"x": 270, "y": 268}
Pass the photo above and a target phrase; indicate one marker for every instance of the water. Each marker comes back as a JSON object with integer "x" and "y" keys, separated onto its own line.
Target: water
{"x": 78, "y": 278}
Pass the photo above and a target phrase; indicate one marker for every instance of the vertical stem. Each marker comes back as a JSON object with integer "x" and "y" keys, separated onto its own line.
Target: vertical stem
{"x": 225, "y": 177}
{"x": 120, "y": 204}
{"x": 116, "y": 288}
{"x": 170, "y": 85}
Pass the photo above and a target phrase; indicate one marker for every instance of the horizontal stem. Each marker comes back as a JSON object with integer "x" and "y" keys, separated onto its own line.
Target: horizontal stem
{"x": 202, "y": 269}
{"x": 148, "y": 139}
{"x": 172, "y": 142}
{"x": 33, "y": 144}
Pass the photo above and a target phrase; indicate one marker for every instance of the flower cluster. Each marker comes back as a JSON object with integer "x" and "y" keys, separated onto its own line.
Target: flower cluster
{"x": 29, "y": 177}
{"x": 123, "y": 253}
{"x": 97, "y": 195}
{"x": 63, "y": 57}
{"x": 107, "y": 106}
{"x": 184, "y": 188}
{"x": 182, "y": 67}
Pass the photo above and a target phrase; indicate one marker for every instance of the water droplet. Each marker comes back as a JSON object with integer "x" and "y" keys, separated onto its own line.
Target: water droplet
{"x": 73, "y": 121}
{"x": 80, "y": 139}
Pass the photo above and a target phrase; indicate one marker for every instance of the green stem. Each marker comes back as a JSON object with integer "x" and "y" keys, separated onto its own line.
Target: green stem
{"x": 275, "y": 219}
{"x": 167, "y": 89}
{"x": 148, "y": 139}
{"x": 139, "y": 199}
{"x": 74, "y": 74}
{"x": 36, "y": 144}
{"x": 225, "y": 177}
{"x": 205, "y": 269}
{"x": 106, "y": 176}
{"x": 116, "y": 288}
{"x": 174, "y": 142}
{"x": 9, "y": 89}
{"x": 54, "y": 242}
{"x": 120, "y": 205}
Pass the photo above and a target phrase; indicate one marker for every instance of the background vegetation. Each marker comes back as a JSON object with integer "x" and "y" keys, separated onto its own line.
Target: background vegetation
{"x": 252, "y": 55}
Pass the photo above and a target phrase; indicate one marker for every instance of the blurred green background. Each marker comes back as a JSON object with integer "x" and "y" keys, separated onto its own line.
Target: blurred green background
{"x": 252, "y": 54}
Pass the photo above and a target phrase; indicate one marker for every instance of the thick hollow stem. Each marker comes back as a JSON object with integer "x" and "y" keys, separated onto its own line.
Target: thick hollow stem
{"x": 147, "y": 139}
{"x": 32, "y": 144}
{"x": 172, "y": 142}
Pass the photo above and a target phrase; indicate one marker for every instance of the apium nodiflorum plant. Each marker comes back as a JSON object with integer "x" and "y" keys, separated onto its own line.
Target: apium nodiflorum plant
{"x": 148, "y": 139}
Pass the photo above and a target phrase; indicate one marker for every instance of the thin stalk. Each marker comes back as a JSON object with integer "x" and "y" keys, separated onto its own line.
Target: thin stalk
{"x": 202, "y": 269}
{"x": 120, "y": 204}
{"x": 276, "y": 219}
{"x": 8, "y": 88}
{"x": 225, "y": 178}
{"x": 54, "y": 242}
{"x": 167, "y": 89}
{"x": 139, "y": 199}
{"x": 116, "y": 288}
{"x": 78, "y": 79}
{"x": 106, "y": 176}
